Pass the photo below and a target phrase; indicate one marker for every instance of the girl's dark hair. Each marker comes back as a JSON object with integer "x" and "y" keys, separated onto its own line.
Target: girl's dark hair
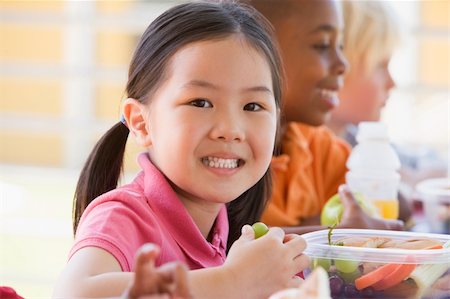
{"x": 175, "y": 28}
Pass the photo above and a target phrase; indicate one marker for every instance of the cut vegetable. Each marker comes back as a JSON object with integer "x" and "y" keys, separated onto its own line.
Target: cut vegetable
{"x": 425, "y": 275}
{"x": 375, "y": 276}
{"x": 394, "y": 278}
{"x": 436, "y": 247}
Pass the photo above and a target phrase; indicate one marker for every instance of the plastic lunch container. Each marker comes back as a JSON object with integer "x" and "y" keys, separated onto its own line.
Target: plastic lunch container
{"x": 361, "y": 272}
{"x": 435, "y": 195}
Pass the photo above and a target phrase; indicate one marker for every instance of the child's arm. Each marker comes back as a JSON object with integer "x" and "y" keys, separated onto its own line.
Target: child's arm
{"x": 254, "y": 268}
{"x": 352, "y": 217}
{"x": 148, "y": 281}
{"x": 92, "y": 272}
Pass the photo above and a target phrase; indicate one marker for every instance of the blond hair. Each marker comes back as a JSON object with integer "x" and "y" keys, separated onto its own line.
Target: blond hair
{"x": 371, "y": 32}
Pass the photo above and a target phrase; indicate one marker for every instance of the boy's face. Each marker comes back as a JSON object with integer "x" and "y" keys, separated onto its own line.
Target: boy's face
{"x": 310, "y": 41}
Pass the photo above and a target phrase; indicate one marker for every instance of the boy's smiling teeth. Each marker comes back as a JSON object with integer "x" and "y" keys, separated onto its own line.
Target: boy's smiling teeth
{"x": 220, "y": 162}
{"x": 331, "y": 95}
{"x": 328, "y": 93}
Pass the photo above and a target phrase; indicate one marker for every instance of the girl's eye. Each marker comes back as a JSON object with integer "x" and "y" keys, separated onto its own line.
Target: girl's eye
{"x": 201, "y": 103}
{"x": 252, "y": 107}
{"x": 321, "y": 47}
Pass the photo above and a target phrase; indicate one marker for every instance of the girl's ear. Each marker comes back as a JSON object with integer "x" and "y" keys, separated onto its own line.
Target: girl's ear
{"x": 135, "y": 115}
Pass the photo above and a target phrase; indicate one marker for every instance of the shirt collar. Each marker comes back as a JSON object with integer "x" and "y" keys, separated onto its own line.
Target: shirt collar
{"x": 170, "y": 210}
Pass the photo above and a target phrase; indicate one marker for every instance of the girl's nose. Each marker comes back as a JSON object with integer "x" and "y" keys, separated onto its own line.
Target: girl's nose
{"x": 227, "y": 128}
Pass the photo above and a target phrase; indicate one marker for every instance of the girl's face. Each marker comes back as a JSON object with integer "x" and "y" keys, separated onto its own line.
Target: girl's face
{"x": 310, "y": 41}
{"x": 364, "y": 93}
{"x": 212, "y": 123}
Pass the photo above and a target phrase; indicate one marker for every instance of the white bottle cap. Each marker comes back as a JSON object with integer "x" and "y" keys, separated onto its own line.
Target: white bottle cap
{"x": 373, "y": 153}
{"x": 372, "y": 130}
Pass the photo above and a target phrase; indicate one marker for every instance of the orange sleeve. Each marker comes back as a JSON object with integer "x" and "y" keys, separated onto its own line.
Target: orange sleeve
{"x": 332, "y": 153}
{"x": 276, "y": 213}
{"x": 306, "y": 175}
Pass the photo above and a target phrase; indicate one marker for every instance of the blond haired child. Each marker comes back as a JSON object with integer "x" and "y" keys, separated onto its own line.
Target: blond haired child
{"x": 371, "y": 35}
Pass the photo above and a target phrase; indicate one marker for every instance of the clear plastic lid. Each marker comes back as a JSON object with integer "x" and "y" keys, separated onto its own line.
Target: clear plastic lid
{"x": 318, "y": 247}
{"x": 436, "y": 186}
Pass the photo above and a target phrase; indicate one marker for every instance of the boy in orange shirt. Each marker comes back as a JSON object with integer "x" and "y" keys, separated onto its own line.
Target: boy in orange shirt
{"x": 311, "y": 164}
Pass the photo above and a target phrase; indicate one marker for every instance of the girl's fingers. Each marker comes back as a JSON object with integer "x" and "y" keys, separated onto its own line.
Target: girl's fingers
{"x": 294, "y": 238}
{"x": 247, "y": 233}
{"x": 296, "y": 244}
{"x": 300, "y": 263}
{"x": 276, "y": 232}
{"x": 289, "y": 237}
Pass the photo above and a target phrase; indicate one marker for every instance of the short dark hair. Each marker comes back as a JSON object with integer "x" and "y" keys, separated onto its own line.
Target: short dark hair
{"x": 276, "y": 11}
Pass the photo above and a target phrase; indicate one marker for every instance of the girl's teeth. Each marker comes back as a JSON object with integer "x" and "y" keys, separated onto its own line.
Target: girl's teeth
{"x": 220, "y": 162}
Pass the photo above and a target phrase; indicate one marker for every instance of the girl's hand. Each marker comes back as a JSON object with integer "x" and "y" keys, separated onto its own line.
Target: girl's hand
{"x": 354, "y": 217}
{"x": 263, "y": 266}
{"x": 166, "y": 282}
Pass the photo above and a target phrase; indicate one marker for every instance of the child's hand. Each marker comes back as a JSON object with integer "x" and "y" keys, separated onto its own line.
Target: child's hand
{"x": 316, "y": 286}
{"x": 354, "y": 217}
{"x": 166, "y": 282}
{"x": 261, "y": 267}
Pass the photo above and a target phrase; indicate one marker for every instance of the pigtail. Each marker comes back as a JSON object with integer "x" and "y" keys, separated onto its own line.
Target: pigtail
{"x": 248, "y": 208}
{"x": 101, "y": 171}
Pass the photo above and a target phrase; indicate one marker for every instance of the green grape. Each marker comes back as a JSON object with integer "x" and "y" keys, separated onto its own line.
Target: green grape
{"x": 324, "y": 263}
{"x": 350, "y": 277}
{"x": 260, "y": 229}
{"x": 346, "y": 266}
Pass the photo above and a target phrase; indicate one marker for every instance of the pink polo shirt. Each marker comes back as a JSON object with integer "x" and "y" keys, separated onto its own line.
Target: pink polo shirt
{"x": 148, "y": 211}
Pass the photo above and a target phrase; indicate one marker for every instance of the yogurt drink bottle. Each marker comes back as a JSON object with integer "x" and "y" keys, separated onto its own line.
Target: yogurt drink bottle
{"x": 373, "y": 169}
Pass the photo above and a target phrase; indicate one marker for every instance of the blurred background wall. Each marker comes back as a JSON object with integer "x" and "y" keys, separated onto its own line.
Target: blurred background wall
{"x": 63, "y": 74}
{"x": 63, "y": 70}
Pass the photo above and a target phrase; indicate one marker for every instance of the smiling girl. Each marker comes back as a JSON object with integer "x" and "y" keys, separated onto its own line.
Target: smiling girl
{"x": 203, "y": 99}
